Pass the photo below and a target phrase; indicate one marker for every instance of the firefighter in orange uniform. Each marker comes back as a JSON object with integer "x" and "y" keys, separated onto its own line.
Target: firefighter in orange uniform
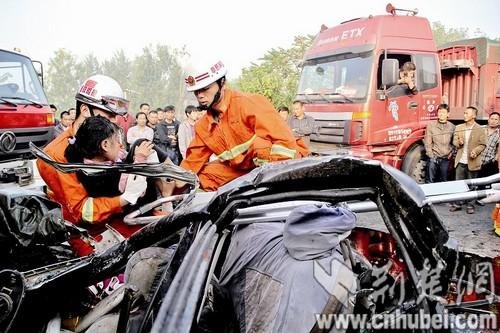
{"x": 242, "y": 130}
{"x": 98, "y": 95}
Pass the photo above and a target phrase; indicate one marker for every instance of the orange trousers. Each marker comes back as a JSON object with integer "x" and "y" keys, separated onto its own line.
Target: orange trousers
{"x": 215, "y": 174}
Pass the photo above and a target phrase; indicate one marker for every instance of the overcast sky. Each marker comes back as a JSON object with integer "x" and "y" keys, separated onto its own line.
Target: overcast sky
{"x": 238, "y": 32}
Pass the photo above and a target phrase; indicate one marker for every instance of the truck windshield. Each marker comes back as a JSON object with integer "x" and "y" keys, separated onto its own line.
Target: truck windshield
{"x": 343, "y": 78}
{"x": 19, "y": 83}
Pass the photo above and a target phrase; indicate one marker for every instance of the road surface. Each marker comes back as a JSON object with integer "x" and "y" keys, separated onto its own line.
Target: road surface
{"x": 473, "y": 232}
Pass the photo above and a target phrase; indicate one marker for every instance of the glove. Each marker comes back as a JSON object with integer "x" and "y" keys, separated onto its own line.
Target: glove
{"x": 495, "y": 186}
{"x": 135, "y": 188}
{"x": 153, "y": 158}
{"x": 491, "y": 198}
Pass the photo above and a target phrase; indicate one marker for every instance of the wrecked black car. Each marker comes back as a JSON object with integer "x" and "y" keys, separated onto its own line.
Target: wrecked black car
{"x": 276, "y": 250}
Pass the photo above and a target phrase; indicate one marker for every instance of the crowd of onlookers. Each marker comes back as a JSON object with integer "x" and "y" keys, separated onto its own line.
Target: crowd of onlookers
{"x": 302, "y": 125}
{"x": 472, "y": 148}
{"x": 66, "y": 119}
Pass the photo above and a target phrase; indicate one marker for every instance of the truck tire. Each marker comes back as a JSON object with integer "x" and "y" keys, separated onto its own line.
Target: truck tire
{"x": 415, "y": 162}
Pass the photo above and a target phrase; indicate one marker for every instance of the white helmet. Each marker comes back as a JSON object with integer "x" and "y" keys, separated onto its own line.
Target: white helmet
{"x": 205, "y": 75}
{"x": 104, "y": 93}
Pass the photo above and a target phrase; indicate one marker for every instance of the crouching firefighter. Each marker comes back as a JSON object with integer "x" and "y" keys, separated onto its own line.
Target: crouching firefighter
{"x": 243, "y": 131}
{"x": 102, "y": 96}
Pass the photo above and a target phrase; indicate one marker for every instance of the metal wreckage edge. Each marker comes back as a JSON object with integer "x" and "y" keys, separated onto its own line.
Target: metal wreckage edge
{"x": 408, "y": 214}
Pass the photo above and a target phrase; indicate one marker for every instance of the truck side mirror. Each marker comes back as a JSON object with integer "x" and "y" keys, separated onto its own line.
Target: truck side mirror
{"x": 390, "y": 72}
{"x": 39, "y": 70}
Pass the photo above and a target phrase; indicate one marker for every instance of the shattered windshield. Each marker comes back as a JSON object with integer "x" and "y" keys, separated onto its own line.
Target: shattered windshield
{"x": 19, "y": 82}
{"x": 337, "y": 77}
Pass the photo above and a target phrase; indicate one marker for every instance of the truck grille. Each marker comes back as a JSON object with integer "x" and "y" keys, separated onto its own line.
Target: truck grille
{"x": 331, "y": 131}
{"x": 39, "y": 136}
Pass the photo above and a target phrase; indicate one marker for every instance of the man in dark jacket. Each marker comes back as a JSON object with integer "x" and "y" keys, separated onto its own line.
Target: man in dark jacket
{"x": 166, "y": 135}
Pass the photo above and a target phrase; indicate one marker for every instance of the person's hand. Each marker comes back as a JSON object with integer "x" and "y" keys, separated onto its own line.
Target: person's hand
{"x": 493, "y": 197}
{"x": 145, "y": 149}
{"x": 410, "y": 82}
{"x": 134, "y": 189}
{"x": 473, "y": 154}
{"x": 460, "y": 140}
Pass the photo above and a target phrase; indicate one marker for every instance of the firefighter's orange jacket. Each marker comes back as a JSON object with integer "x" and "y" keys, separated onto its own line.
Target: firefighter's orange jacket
{"x": 66, "y": 189}
{"x": 248, "y": 133}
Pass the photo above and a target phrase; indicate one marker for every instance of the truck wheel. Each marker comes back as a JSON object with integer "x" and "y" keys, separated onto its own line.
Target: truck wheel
{"x": 414, "y": 163}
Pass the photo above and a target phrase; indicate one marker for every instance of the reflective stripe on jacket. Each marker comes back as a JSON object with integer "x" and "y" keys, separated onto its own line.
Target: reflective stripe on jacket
{"x": 66, "y": 189}
{"x": 248, "y": 133}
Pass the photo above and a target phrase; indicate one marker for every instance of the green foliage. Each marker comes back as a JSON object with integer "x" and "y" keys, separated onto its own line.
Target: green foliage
{"x": 154, "y": 77}
{"x": 443, "y": 35}
{"x": 118, "y": 67}
{"x": 62, "y": 81}
{"x": 87, "y": 67}
{"x": 276, "y": 75}
{"x": 175, "y": 91}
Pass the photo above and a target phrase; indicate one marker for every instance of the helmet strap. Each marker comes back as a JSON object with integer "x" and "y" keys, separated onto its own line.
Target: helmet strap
{"x": 220, "y": 83}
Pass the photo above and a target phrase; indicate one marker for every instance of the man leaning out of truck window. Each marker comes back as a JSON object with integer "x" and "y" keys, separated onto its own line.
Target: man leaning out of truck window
{"x": 406, "y": 83}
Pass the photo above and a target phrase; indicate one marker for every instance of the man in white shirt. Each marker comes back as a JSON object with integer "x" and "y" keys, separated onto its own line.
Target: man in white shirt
{"x": 470, "y": 140}
{"x": 186, "y": 129}
{"x": 140, "y": 131}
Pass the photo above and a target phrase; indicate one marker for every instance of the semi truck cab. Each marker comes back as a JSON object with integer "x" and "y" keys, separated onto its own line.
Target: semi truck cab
{"x": 345, "y": 79}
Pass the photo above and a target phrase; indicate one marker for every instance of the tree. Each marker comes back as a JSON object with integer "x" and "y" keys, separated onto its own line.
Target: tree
{"x": 155, "y": 77}
{"x": 119, "y": 68}
{"x": 62, "y": 81}
{"x": 169, "y": 62}
{"x": 87, "y": 67}
{"x": 277, "y": 73}
{"x": 443, "y": 35}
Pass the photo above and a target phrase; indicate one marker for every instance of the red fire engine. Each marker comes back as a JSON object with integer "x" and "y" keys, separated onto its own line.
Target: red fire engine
{"x": 24, "y": 111}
